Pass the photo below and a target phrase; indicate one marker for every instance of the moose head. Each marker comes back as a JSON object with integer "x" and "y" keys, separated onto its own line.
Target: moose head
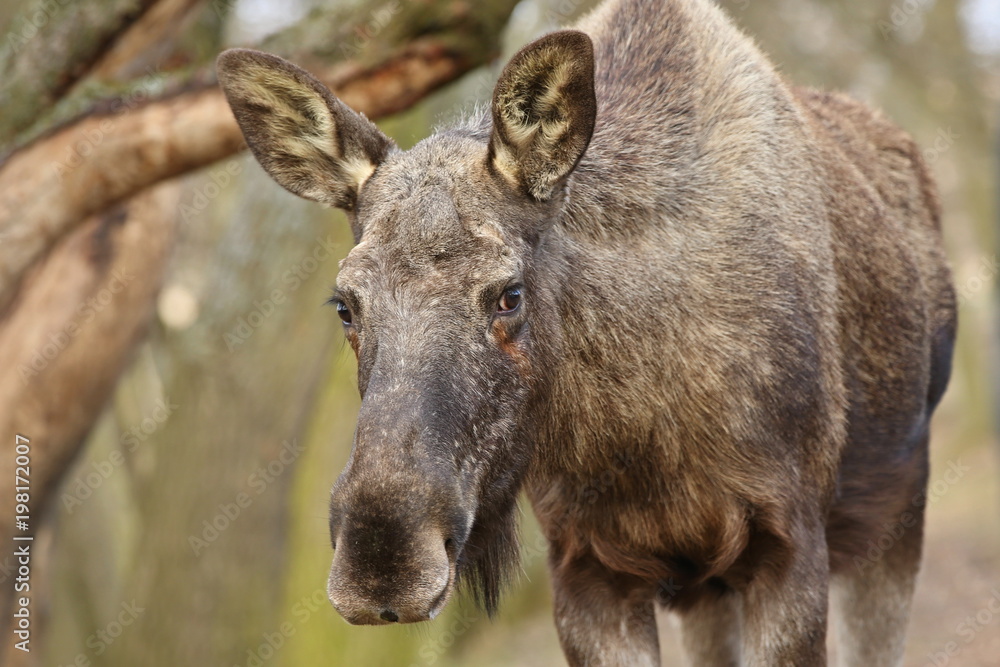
{"x": 451, "y": 301}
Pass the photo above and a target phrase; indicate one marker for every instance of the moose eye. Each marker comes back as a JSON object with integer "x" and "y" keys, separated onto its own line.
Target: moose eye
{"x": 344, "y": 312}
{"x": 510, "y": 300}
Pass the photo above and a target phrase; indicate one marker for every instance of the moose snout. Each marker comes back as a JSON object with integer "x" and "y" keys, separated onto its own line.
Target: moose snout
{"x": 399, "y": 517}
{"x": 387, "y": 585}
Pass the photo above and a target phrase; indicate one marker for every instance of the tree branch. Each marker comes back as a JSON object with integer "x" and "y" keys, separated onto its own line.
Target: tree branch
{"x": 103, "y": 158}
{"x": 148, "y": 42}
{"x": 52, "y": 47}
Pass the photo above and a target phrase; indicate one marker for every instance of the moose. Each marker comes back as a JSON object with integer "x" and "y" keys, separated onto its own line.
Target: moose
{"x": 651, "y": 254}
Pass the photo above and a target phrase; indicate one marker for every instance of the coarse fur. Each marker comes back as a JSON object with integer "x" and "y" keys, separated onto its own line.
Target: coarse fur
{"x": 735, "y": 321}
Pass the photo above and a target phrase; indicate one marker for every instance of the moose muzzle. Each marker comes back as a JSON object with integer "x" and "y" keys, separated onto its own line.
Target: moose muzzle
{"x": 397, "y": 522}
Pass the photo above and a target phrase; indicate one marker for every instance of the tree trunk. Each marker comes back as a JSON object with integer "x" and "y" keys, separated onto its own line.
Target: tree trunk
{"x": 93, "y": 292}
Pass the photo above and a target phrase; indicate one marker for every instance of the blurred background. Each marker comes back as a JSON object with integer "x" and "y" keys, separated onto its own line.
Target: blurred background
{"x": 190, "y": 401}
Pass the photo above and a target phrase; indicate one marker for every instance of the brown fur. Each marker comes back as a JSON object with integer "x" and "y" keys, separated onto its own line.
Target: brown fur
{"x": 737, "y": 320}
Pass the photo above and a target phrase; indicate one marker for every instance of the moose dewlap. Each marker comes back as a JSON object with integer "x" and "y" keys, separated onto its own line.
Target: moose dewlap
{"x": 700, "y": 315}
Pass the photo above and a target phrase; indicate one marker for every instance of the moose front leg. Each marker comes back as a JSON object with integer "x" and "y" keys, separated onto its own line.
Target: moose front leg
{"x": 604, "y": 619}
{"x": 785, "y": 609}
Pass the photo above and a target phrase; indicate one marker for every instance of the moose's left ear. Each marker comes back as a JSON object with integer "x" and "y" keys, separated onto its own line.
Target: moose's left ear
{"x": 543, "y": 112}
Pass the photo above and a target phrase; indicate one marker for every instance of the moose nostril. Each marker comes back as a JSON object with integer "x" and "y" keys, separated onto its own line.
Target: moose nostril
{"x": 389, "y": 616}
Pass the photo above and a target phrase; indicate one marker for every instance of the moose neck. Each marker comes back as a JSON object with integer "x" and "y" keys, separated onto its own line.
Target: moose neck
{"x": 680, "y": 145}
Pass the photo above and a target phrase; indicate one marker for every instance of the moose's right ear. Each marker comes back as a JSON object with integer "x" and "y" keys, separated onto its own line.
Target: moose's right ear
{"x": 310, "y": 142}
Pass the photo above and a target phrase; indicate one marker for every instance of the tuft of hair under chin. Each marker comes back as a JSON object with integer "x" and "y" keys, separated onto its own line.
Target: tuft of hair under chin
{"x": 490, "y": 559}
